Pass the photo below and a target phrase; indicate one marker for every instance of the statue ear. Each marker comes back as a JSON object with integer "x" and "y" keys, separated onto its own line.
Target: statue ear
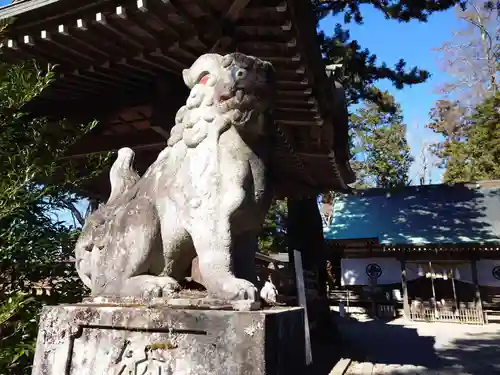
{"x": 188, "y": 79}
{"x": 269, "y": 72}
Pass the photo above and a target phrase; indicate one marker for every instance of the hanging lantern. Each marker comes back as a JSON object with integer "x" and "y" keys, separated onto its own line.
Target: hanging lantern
{"x": 457, "y": 274}
{"x": 420, "y": 271}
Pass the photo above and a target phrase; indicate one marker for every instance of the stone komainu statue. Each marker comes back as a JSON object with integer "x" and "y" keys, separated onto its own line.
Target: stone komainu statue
{"x": 206, "y": 194}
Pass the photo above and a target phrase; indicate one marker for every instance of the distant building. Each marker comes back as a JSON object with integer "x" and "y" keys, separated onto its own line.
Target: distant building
{"x": 433, "y": 250}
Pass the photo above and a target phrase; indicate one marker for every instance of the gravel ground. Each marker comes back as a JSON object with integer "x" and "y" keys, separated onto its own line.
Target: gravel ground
{"x": 401, "y": 347}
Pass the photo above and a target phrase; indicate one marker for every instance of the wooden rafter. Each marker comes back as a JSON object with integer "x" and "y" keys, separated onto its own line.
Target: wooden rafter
{"x": 124, "y": 47}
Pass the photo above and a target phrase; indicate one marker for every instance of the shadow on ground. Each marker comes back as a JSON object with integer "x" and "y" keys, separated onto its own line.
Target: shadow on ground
{"x": 478, "y": 353}
{"x": 325, "y": 357}
{"x": 423, "y": 348}
{"x": 378, "y": 342}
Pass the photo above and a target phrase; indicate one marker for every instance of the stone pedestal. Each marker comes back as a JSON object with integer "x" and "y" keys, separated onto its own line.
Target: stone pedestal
{"x": 90, "y": 339}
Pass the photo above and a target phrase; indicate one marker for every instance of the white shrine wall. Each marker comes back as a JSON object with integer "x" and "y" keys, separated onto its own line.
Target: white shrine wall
{"x": 353, "y": 270}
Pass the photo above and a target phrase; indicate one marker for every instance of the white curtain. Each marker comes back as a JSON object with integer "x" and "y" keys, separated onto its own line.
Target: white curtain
{"x": 486, "y": 269}
{"x": 354, "y": 271}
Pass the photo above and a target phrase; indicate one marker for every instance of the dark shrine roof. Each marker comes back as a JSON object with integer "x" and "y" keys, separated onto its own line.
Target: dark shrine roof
{"x": 420, "y": 215}
{"x": 113, "y": 58}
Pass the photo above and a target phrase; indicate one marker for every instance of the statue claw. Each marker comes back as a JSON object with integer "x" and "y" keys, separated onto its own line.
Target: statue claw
{"x": 148, "y": 287}
{"x": 237, "y": 289}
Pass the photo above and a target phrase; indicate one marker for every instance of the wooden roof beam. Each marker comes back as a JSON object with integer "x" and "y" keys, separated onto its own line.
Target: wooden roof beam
{"x": 304, "y": 93}
{"x": 111, "y": 75}
{"x": 301, "y": 116}
{"x": 84, "y": 32}
{"x": 229, "y": 19}
{"x": 95, "y": 144}
{"x": 168, "y": 39}
{"x": 121, "y": 37}
{"x": 80, "y": 24}
{"x": 199, "y": 27}
{"x": 265, "y": 13}
{"x": 233, "y": 13}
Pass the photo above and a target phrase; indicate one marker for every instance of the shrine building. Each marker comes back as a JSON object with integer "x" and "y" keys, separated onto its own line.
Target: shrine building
{"x": 432, "y": 251}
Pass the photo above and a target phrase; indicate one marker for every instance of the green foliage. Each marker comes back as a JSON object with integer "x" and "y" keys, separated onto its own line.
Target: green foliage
{"x": 31, "y": 159}
{"x": 361, "y": 70}
{"x": 35, "y": 181}
{"x": 401, "y": 10}
{"x": 18, "y": 326}
{"x": 272, "y": 239}
{"x": 470, "y": 150}
{"x": 382, "y": 155}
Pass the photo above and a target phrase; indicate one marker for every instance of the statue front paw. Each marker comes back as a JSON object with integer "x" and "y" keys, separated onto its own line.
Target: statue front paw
{"x": 148, "y": 286}
{"x": 232, "y": 288}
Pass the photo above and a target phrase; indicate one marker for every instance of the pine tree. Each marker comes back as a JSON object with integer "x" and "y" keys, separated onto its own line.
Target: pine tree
{"x": 471, "y": 149}
{"x": 272, "y": 238}
{"x": 361, "y": 70}
{"x": 382, "y": 157}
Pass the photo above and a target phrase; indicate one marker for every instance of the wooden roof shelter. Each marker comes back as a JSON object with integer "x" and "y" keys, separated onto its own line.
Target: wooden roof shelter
{"x": 120, "y": 61}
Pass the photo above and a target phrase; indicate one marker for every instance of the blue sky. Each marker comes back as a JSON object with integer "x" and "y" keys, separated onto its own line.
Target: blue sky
{"x": 414, "y": 41}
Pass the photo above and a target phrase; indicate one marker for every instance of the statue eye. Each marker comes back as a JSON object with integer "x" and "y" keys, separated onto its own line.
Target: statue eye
{"x": 239, "y": 73}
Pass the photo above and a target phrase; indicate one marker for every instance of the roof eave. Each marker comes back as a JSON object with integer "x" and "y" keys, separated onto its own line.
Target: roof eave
{"x": 17, "y": 8}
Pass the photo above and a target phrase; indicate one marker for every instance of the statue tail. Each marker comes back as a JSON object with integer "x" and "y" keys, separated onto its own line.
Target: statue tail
{"x": 122, "y": 175}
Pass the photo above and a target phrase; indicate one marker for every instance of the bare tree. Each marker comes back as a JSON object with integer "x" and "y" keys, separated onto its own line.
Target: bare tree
{"x": 425, "y": 161}
{"x": 472, "y": 56}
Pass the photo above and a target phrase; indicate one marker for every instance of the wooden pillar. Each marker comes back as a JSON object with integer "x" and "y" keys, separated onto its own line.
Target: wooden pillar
{"x": 478, "y": 302}
{"x": 434, "y": 298}
{"x": 305, "y": 234}
{"x": 404, "y": 285}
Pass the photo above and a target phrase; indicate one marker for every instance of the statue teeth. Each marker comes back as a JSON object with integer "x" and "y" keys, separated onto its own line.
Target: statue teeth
{"x": 226, "y": 61}
{"x": 239, "y": 95}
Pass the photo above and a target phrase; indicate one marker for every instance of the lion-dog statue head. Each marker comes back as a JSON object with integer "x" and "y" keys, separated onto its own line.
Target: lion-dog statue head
{"x": 235, "y": 85}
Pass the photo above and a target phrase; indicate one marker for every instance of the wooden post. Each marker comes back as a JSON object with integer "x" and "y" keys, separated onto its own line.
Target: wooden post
{"x": 301, "y": 295}
{"x": 478, "y": 302}
{"x": 305, "y": 234}
{"x": 457, "y": 307}
{"x": 406, "y": 303}
{"x": 373, "y": 285}
{"x": 436, "y": 313}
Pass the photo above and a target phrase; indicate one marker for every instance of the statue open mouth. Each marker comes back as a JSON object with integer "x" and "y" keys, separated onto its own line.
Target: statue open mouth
{"x": 231, "y": 99}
